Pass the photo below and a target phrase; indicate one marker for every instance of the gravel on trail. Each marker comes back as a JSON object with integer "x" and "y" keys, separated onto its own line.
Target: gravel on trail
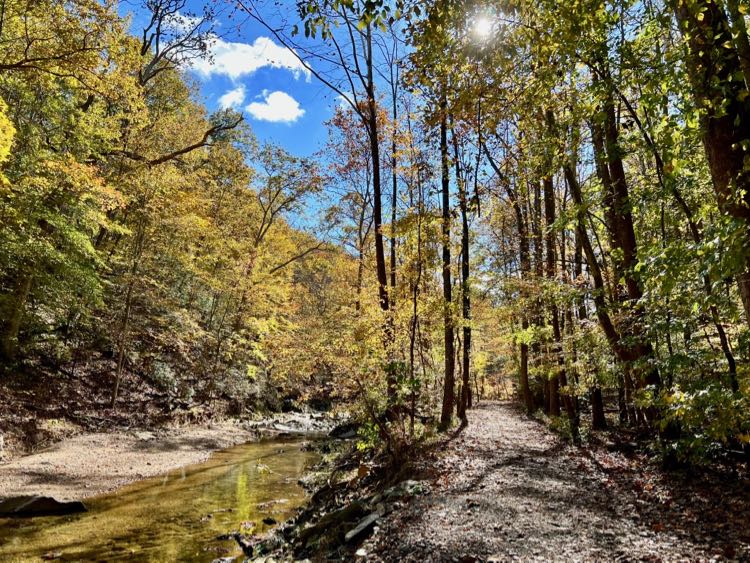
{"x": 506, "y": 488}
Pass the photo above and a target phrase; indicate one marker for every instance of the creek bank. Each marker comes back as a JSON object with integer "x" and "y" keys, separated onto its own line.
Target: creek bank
{"x": 351, "y": 492}
{"x": 91, "y": 464}
{"x": 332, "y": 526}
{"x": 311, "y": 423}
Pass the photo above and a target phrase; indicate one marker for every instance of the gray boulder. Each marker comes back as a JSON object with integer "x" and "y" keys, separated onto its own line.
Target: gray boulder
{"x": 26, "y": 506}
{"x": 363, "y": 527}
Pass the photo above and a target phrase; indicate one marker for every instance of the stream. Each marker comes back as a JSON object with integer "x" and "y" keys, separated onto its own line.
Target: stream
{"x": 174, "y": 517}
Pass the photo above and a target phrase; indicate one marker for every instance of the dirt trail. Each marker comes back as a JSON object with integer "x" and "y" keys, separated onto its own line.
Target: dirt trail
{"x": 508, "y": 489}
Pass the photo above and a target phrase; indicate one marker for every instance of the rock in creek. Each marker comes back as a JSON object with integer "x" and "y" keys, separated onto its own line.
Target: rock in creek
{"x": 362, "y": 527}
{"x": 345, "y": 431}
{"x": 332, "y": 522}
{"x": 38, "y": 506}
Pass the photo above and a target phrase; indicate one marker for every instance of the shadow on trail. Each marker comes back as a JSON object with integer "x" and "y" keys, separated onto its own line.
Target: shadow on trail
{"x": 508, "y": 489}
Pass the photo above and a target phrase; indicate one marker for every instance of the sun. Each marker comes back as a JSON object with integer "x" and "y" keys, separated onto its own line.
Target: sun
{"x": 483, "y": 27}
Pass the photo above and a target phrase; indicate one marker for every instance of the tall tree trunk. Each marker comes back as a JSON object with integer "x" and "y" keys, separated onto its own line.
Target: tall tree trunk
{"x": 525, "y": 259}
{"x": 611, "y": 172}
{"x": 464, "y": 401}
{"x": 624, "y": 351}
{"x": 449, "y": 382}
{"x": 598, "y": 420}
{"x": 714, "y": 63}
{"x": 465, "y": 306}
{"x": 599, "y": 290}
{"x": 621, "y": 214}
{"x": 377, "y": 204}
{"x": 394, "y": 201}
{"x": 415, "y": 307}
{"x": 560, "y": 378}
{"x": 549, "y": 217}
{"x": 535, "y": 215}
{"x": 416, "y": 280}
{"x": 377, "y": 215}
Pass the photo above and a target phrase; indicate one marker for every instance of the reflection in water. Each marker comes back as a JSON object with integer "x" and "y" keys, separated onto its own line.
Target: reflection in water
{"x": 175, "y": 517}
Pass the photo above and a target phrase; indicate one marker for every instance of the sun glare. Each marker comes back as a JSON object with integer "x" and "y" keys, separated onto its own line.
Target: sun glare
{"x": 483, "y": 27}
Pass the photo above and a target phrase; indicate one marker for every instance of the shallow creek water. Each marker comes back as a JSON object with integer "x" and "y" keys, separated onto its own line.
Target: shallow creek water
{"x": 175, "y": 517}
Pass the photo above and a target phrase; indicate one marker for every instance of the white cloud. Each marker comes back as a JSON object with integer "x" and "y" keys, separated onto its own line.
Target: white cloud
{"x": 180, "y": 23}
{"x": 277, "y": 107}
{"x": 239, "y": 59}
{"x": 343, "y": 103}
{"x": 232, "y": 98}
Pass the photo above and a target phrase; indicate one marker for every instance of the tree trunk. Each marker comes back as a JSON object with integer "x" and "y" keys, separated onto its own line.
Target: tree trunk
{"x": 465, "y": 297}
{"x": 625, "y": 352}
{"x": 611, "y": 172}
{"x": 598, "y": 420}
{"x": 560, "y": 378}
{"x": 528, "y": 399}
{"x": 377, "y": 205}
{"x": 415, "y": 281}
{"x": 537, "y": 319}
{"x": 602, "y": 311}
{"x": 449, "y": 382}
{"x": 714, "y": 63}
{"x": 394, "y": 200}
{"x": 377, "y": 214}
{"x": 549, "y": 217}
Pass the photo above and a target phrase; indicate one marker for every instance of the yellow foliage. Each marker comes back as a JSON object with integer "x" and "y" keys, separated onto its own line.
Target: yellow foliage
{"x": 7, "y": 131}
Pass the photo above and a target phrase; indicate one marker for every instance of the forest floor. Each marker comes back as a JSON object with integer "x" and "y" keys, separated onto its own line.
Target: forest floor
{"x": 506, "y": 488}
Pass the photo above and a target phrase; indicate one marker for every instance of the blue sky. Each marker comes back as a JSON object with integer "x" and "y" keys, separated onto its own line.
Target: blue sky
{"x": 255, "y": 75}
